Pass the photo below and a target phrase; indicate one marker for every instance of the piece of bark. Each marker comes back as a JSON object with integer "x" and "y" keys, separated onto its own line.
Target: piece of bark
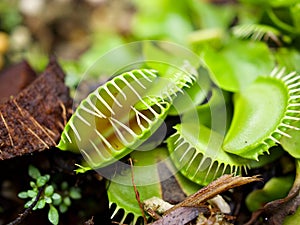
{"x": 179, "y": 216}
{"x": 189, "y": 208}
{"x": 34, "y": 119}
{"x": 222, "y": 184}
{"x": 14, "y": 79}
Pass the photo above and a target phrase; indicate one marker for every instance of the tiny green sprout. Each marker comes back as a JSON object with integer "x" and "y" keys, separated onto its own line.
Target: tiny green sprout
{"x": 42, "y": 193}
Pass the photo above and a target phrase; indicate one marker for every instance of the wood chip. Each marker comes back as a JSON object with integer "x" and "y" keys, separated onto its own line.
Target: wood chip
{"x": 189, "y": 208}
{"x": 216, "y": 187}
{"x": 179, "y": 216}
{"x": 34, "y": 119}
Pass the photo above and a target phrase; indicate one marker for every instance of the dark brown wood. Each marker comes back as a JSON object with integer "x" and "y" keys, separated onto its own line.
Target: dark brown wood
{"x": 179, "y": 216}
{"x": 216, "y": 187}
{"x": 34, "y": 119}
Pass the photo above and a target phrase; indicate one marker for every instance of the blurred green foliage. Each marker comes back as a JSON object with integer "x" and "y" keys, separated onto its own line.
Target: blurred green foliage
{"x": 10, "y": 17}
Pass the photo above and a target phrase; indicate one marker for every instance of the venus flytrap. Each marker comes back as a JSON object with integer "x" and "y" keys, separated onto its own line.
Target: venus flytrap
{"x": 266, "y": 109}
{"x": 121, "y": 114}
{"x": 239, "y": 111}
{"x": 151, "y": 168}
{"x": 246, "y": 114}
{"x": 201, "y": 151}
{"x": 259, "y": 32}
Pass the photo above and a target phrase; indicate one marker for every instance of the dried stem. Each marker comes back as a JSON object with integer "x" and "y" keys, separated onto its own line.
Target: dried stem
{"x": 137, "y": 195}
{"x": 216, "y": 187}
{"x": 23, "y": 215}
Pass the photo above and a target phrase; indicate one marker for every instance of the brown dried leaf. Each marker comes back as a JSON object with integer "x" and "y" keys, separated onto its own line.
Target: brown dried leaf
{"x": 216, "y": 187}
{"x": 34, "y": 119}
{"x": 180, "y": 215}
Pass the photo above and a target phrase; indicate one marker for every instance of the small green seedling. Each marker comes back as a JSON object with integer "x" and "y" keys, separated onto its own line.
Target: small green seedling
{"x": 42, "y": 193}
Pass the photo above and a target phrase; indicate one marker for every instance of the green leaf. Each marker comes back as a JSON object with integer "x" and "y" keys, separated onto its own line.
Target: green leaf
{"x": 33, "y": 172}
{"x": 292, "y": 144}
{"x": 29, "y": 203}
{"x": 161, "y": 19}
{"x": 48, "y": 200}
{"x": 56, "y": 196}
{"x": 215, "y": 114}
{"x": 238, "y": 64}
{"x": 288, "y": 58}
{"x": 64, "y": 185}
{"x": 273, "y": 3}
{"x": 42, "y": 180}
{"x": 49, "y": 190}
{"x": 212, "y": 16}
{"x": 33, "y": 185}
{"x": 57, "y": 201}
{"x": 82, "y": 169}
{"x": 192, "y": 96}
{"x": 75, "y": 193}
{"x": 32, "y": 193}
{"x": 270, "y": 192}
{"x": 165, "y": 58}
{"x": 67, "y": 201}
{"x": 23, "y": 194}
{"x": 295, "y": 11}
{"x": 41, "y": 203}
{"x": 263, "y": 114}
{"x": 63, "y": 208}
{"x": 53, "y": 215}
{"x": 197, "y": 152}
{"x": 150, "y": 169}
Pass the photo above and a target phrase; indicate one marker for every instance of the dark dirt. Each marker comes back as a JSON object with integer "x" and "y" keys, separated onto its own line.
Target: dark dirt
{"x": 60, "y": 166}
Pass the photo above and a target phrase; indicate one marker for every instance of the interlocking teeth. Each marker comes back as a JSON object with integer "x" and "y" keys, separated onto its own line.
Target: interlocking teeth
{"x": 257, "y": 32}
{"x": 273, "y": 139}
{"x": 289, "y": 126}
{"x": 119, "y": 115}
{"x": 294, "y": 104}
{"x": 292, "y": 118}
{"x": 96, "y": 111}
{"x": 195, "y": 161}
{"x": 277, "y": 73}
{"x": 292, "y": 83}
{"x": 83, "y": 119}
{"x": 293, "y": 111}
{"x": 115, "y": 100}
{"x": 75, "y": 131}
{"x": 294, "y": 90}
{"x": 103, "y": 139}
{"x": 119, "y": 89}
{"x": 288, "y": 76}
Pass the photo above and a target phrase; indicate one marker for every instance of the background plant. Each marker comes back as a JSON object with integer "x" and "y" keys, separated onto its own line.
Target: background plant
{"x": 42, "y": 193}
